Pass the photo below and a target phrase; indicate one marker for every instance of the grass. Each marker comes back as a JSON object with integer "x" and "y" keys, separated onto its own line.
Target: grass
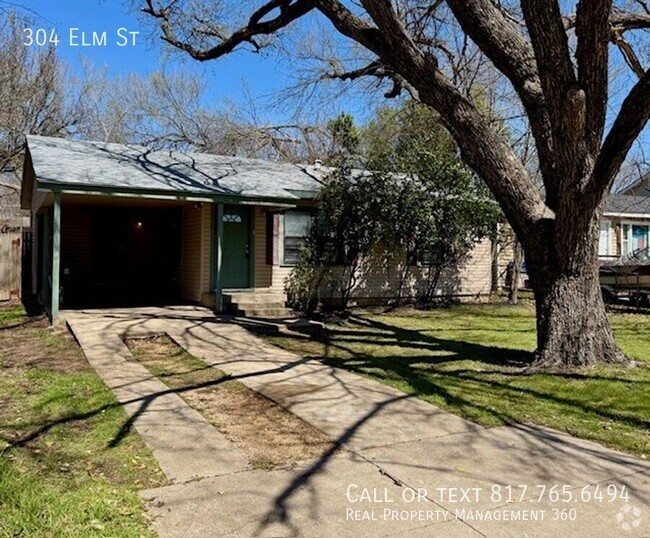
{"x": 471, "y": 360}
{"x": 11, "y": 314}
{"x": 269, "y": 435}
{"x": 58, "y": 476}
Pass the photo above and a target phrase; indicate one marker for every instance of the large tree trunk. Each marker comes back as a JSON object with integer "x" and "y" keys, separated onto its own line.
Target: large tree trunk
{"x": 572, "y": 325}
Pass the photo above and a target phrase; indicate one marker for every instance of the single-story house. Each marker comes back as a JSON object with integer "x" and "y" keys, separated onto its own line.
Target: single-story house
{"x": 625, "y": 227}
{"x": 123, "y": 225}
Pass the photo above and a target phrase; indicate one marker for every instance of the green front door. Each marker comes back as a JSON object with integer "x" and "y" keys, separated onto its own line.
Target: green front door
{"x": 236, "y": 247}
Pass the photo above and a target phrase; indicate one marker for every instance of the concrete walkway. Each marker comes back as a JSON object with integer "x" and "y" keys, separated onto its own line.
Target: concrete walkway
{"x": 406, "y": 467}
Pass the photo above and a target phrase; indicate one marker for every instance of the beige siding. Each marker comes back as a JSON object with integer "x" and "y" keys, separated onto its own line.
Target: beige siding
{"x": 280, "y": 275}
{"x": 207, "y": 226}
{"x": 263, "y": 271}
{"x": 190, "y": 273}
{"x": 382, "y": 279}
{"x": 476, "y": 275}
{"x": 206, "y": 240}
{"x": 614, "y": 243}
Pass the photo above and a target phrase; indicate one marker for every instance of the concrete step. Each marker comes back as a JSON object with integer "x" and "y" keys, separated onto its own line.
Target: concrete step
{"x": 254, "y": 305}
{"x": 250, "y": 297}
{"x": 264, "y": 312}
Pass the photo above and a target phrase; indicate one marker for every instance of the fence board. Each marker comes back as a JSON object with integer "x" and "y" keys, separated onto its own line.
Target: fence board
{"x": 10, "y": 259}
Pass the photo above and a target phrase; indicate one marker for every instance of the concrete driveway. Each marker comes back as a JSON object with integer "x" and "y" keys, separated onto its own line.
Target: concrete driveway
{"x": 403, "y": 467}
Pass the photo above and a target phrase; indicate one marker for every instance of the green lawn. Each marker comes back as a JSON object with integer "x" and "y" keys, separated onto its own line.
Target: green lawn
{"x": 59, "y": 474}
{"x": 471, "y": 360}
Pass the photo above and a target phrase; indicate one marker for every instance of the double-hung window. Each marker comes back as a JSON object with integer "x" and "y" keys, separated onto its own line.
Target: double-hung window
{"x": 295, "y": 231}
{"x": 635, "y": 237}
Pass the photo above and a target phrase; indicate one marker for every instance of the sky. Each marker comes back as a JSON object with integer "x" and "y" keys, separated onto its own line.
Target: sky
{"x": 237, "y": 78}
{"x": 234, "y": 78}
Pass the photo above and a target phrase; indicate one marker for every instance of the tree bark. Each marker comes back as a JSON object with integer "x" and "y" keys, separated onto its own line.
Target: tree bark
{"x": 513, "y": 292}
{"x": 572, "y": 325}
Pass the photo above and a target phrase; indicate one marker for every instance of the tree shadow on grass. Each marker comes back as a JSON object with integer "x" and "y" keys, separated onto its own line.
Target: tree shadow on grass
{"x": 433, "y": 354}
{"x": 438, "y": 373}
{"x": 376, "y": 333}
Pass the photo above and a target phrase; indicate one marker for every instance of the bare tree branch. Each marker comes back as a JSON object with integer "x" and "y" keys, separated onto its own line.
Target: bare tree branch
{"x": 289, "y": 12}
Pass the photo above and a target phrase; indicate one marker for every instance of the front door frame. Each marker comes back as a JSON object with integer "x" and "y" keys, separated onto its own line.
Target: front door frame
{"x": 218, "y": 250}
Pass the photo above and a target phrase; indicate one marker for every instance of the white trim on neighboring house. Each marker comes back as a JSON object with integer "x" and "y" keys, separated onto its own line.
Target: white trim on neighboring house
{"x": 627, "y": 215}
{"x": 626, "y": 240}
{"x": 605, "y": 250}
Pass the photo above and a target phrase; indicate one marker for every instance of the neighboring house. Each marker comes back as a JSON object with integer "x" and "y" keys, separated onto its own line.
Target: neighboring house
{"x": 122, "y": 225}
{"x": 625, "y": 227}
{"x": 640, "y": 187}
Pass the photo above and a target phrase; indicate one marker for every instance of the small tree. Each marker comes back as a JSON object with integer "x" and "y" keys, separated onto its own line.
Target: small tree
{"x": 424, "y": 203}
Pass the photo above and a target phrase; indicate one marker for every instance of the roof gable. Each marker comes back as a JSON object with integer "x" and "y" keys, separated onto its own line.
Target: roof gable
{"x": 625, "y": 204}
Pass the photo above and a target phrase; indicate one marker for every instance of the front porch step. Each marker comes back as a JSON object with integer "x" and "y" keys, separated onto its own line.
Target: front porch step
{"x": 257, "y": 303}
{"x": 254, "y": 297}
{"x": 264, "y": 312}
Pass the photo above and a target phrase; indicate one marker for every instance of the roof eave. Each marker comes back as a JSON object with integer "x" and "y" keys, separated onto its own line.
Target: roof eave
{"x": 624, "y": 215}
{"x": 162, "y": 194}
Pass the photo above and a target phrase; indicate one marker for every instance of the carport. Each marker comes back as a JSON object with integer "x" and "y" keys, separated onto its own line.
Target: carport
{"x": 120, "y": 252}
{"x": 121, "y": 225}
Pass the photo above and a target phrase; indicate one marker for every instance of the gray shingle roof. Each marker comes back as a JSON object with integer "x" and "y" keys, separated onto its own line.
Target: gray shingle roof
{"x": 626, "y": 204}
{"x": 120, "y": 167}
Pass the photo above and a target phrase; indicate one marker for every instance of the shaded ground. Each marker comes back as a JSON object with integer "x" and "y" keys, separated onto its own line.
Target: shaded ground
{"x": 472, "y": 361}
{"x": 393, "y": 443}
{"x": 60, "y": 477}
{"x": 268, "y": 434}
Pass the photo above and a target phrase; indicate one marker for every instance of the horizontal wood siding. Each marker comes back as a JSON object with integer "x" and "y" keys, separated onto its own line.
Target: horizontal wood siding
{"x": 190, "y": 273}
{"x": 279, "y": 277}
{"x": 206, "y": 241}
{"x": 263, "y": 269}
{"x": 380, "y": 278}
{"x": 76, "y": 243}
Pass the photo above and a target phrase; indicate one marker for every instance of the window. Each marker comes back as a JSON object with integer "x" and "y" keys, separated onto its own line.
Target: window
{"x": 424, "y": 256}
{"x": 295, "y": 231}
{"x": 634, "y": 238}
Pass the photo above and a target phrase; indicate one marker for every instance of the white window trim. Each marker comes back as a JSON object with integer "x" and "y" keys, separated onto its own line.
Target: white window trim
{"x": 628, "y": 239}
{"x": 608, "y": 236}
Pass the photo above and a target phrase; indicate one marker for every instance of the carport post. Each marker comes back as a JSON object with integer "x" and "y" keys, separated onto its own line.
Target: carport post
{"x": 56, "y": 255}
{"x": 218, "y": 258}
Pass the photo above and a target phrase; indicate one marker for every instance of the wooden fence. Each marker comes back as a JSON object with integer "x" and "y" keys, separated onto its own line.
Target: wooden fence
{"x": 10, "y": 261}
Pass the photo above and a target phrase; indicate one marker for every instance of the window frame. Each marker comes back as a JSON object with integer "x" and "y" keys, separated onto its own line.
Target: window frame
{"x": 626, "y": 238}
{"x": 283, "y": 237}
{"x": 415, "y": 257}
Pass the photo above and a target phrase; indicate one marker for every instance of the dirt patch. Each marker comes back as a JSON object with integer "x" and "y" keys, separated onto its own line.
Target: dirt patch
{"x": 33, "y": 342}
{"x": 268, "y": 434}
{"x": 51, "y": 348}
